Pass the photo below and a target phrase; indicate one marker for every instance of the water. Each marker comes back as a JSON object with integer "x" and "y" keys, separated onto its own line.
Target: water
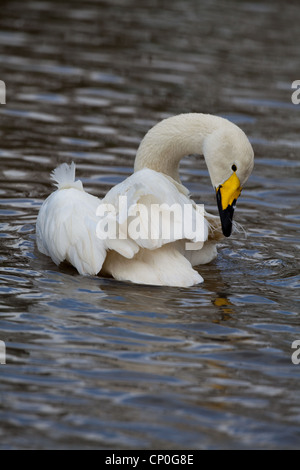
{"x": 96, "y": 363}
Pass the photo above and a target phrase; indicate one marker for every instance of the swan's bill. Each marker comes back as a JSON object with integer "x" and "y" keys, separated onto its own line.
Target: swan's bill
{"x": 227, "y": 195}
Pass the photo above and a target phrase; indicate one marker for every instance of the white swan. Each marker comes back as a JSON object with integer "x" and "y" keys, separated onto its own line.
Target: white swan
{"x": 67, "y": 222}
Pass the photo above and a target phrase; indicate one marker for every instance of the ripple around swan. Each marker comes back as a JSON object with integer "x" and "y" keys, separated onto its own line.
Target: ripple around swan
{"x": 96, "y": 363}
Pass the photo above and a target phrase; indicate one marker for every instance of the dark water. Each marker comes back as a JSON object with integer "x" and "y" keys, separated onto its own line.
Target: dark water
{"x": 95, "y": 363}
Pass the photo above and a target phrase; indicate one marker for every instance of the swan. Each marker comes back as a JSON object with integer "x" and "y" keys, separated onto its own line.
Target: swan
{"x": 67, "y": 227}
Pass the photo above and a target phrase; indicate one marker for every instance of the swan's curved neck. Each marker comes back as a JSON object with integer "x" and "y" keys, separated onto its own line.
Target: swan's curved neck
{"x": 170, "y": 140}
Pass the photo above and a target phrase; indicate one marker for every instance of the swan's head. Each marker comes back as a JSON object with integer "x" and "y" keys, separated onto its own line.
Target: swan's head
{"x": 227, "y": 151}
{"x": 230, "y": 159}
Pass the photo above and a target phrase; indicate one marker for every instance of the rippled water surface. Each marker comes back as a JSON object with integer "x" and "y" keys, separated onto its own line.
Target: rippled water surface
{"x": 96, "y": 363}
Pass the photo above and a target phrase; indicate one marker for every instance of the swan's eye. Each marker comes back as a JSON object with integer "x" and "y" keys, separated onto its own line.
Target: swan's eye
{"x": 234, "y": 168}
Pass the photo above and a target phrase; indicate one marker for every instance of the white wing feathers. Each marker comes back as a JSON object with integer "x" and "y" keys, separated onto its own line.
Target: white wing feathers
{"x": 153, "y": 212}
{"x": 67, "y": 223}
{"x": 66, "y": 230}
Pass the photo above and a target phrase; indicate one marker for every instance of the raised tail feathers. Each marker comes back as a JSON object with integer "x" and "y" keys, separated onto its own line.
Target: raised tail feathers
{"x": 64, "y": 177}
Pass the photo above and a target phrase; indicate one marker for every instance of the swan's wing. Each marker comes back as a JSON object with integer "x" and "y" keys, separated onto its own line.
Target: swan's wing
{"x": 66, "y": 230}
{"x": 152, "y": 210}
{"x": 143, "y": 206}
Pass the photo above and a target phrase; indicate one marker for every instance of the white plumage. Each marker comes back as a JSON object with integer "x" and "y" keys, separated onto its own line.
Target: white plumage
{"x": 68, "y": 221}
{"x": 66, "y": 224}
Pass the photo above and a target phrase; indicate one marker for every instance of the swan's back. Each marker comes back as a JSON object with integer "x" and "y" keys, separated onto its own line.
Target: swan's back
{"x": 67, "y": 230}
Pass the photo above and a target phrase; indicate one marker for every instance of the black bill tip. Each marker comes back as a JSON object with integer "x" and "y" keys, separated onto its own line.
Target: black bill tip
{"x": 226, "y": 215}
